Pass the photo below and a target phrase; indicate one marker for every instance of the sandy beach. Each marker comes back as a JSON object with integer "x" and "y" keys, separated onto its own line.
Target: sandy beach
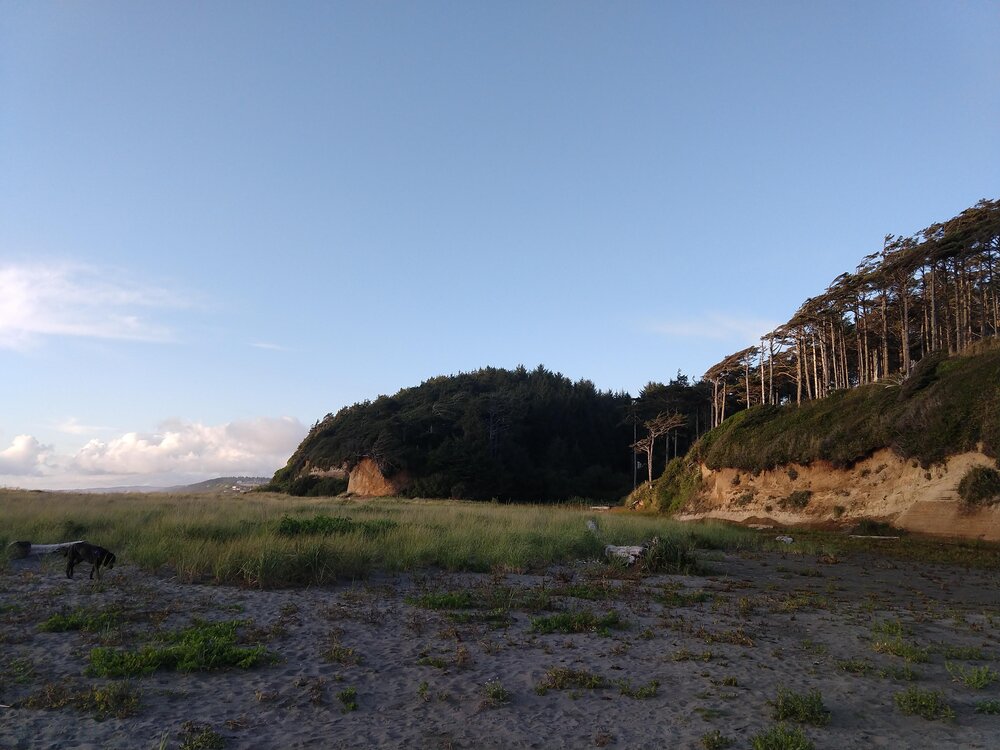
{"x": 689, "y": 655}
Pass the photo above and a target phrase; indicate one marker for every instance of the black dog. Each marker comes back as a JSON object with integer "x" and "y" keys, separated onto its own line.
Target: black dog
{"x": 90, "y": 553}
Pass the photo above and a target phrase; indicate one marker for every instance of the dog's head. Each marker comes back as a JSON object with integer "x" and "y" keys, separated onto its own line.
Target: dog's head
{"x": 109, "y": 559}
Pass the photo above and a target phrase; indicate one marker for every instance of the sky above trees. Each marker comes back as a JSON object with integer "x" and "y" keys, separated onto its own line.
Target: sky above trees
{"x": 219, "y": 222}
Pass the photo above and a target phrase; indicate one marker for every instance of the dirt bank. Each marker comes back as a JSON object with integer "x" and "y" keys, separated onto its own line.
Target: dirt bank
{"x": 883, "y": 487}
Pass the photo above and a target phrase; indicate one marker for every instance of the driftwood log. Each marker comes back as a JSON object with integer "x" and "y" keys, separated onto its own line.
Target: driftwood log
{"x": 626, "y": 554}
{"x": 20, "y": 550}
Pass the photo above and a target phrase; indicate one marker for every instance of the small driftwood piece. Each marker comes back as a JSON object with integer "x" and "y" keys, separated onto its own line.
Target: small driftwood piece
{"x": 628, "y": 555}
{"x": 20, "y": 550}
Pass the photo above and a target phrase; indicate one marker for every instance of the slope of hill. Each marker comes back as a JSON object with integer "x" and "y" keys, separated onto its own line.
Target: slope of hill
{"x": 910, "y": 451}
{"x": 506, "y": 434}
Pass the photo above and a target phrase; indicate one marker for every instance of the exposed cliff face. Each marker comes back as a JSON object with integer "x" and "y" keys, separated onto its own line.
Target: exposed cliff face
{"x": 366, "y": 480}
{"x": 883, "y": 487}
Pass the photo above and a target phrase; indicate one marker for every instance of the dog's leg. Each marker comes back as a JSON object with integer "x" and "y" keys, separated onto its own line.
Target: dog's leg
{"x": 69, "y": 568}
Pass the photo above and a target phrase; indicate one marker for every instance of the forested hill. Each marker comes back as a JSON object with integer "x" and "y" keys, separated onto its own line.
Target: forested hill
{"x": 494, "y": 433}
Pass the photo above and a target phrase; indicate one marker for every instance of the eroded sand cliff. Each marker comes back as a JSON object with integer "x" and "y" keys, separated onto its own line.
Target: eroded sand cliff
{"x": 883, "y": 487}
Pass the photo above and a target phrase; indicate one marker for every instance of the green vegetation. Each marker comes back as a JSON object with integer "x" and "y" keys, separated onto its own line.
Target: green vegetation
{"x": 980, "y": 486}
{"x": 943, "y": 408}
{"x": 326, "y": 525}
{"x": 642, "y": 692}
{"x": 973, "y": 677}
{"x": 781, "y": 737}
{"x": 797, "y": 500}
{"x": 494, "y": 433}
{"x": 580, "y": 621}
{"x": 312, "y": 485}
{"x": 677, "y": 485}
{"x": 928, "y": 704}
{"x": 487, "y": 597}
{"x": 495, "y": 694}
{"x": 969, "y": 653}
{"x": 86, "y": 619}
{"x": 676, "y": 596}
{"x": 897, "y": 646}
{"x": 715, "y": 740}
{"x": 200, "y": 737}
{"x": 805, "y": 709}
{"x": 340, "y": 654}
{"x": 564, "y": 678}
{"x": 991, "y": 707}
{"x": 238, "y": 541}
{"x": 348, "y": 697}
{"x": 203, "y": 646}
{"x": 116, "y": 699}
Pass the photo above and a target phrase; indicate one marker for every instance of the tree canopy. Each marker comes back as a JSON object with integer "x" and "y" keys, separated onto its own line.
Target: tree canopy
{"x": 937, "y": 290}
{"x": 520, "y": 434}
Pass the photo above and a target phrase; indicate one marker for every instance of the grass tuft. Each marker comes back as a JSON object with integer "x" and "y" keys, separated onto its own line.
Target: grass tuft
{"x": 781, "y": 737}
{"x": 348, "y": 698}
{"x": 200, "y": 737}
{"x": 928, "y": 704}
{"x": 578, "y": 621}
{"x": 972, "y": 677}
{"x": 715, "y": 740}
{"x": 564, "y": 678}
{"x": 495, "y": 694}
{"x": 805, "y": 708}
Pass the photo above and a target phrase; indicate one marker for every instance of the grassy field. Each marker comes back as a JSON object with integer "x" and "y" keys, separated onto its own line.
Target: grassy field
{"x": 273, "y": 540}
{"x": 268, "y": 540}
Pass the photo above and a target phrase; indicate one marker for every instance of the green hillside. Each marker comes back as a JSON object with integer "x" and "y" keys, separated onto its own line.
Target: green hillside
{"x": 947, "y": 405}
{"x": 494, "y": 433}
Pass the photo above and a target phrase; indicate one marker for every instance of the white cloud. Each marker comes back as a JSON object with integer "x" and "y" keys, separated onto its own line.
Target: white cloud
{"x": 718, "y": 327}
{"x": 178, "y": 452}
{"x": 269, "y": 346}
{"x": 25, "y": 457}
{"x": 72, "y": 426}
{"x": 38, "y": 300}
{"x": 256, "y": 446}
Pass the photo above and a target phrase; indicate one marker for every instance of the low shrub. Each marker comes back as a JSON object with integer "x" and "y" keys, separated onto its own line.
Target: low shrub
{"x": 797, "y": 500}
{"x": 980, "y": 486}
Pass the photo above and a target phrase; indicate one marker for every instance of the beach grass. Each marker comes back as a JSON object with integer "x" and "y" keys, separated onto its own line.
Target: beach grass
{"x": 270, "y": 540}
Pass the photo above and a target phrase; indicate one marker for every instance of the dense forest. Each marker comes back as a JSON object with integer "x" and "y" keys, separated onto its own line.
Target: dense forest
{"x": 937, "y": 290}
{"x": 494, "y": 433}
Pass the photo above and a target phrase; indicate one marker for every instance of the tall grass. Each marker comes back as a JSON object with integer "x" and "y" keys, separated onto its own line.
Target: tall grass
{"x": 239, "y": 539}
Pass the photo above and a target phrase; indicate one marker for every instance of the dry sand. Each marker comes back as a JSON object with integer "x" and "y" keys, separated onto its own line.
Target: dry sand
{"x": 789, "y": 619}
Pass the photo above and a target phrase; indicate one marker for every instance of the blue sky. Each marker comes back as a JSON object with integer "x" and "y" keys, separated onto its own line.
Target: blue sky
{"x": 220, "y": 221}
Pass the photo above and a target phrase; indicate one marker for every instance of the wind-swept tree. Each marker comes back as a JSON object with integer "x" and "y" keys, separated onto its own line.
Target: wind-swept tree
{"x": 657, "y": 427}
{"x": 935, "y": 290}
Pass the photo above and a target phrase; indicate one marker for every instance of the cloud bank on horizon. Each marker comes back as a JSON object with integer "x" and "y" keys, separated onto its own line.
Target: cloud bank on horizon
{"x": 177, "y": 451}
